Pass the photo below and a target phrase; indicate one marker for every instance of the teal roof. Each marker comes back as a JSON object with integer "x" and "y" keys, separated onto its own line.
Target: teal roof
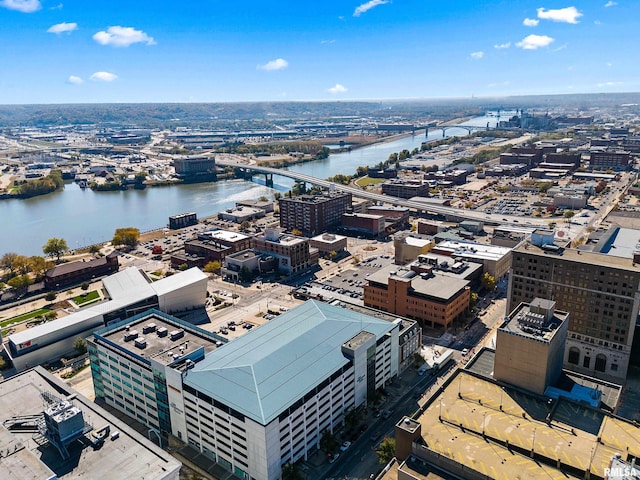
{"x": 268, "y": 369}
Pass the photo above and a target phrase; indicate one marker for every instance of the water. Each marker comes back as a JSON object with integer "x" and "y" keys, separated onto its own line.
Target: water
{"x": 84, "y": 217}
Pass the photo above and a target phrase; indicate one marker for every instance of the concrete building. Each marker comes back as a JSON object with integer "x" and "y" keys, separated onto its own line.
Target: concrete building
{"x": 616, "y": 160}
{"x": 52, "y": 432}
{"x": 241, "y": 214}
{"x": 293, "y": 253}
{"x": 495, "y": 260}
{"x": 137, "y": 366}
{"x": 183, "y": 220}
{"x": 212, "y": 245}
{"x": 435, "y": 300}
{"x": 475, "y": 428}
{"x": 130, "y": 292}
{"x": 328, "y": 242}
{"x": 510, "y": 236}
{"x": 265, "y": 205}
{"x": 406, "y": 188}
{"x": 195, "y": 167}
{"x": 264, "y": 399}
{"x": 408, "y": 246}
{"x": 246, "y": 261}
{"x": 530, "y": 346}
{"x": 600, "y": 289}
{"x": 444, "y": 265}
{"x": 313, "y": 214}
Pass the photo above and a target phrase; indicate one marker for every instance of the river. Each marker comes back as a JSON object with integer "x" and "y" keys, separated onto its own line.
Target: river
{"x": 84, "y": 217}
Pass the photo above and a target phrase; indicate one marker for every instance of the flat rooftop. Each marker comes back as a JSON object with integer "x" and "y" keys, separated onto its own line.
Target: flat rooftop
{"x": 440, "y": 287}
{"x": 478, "y": 251}
{"x": 225, "y": 235}
{"x": 493, "y": 429}
{"x": 527, "y": 321}
{"x": 160, "y": 345}
{"x": 34, "y": 459}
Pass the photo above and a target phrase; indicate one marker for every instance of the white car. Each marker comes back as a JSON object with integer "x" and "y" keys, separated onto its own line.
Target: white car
{"x": 345, "y": 446}
{"x": 465, "y": 351}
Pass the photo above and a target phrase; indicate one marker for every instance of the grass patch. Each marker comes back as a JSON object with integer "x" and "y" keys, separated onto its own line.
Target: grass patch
{"x": 86, "y": 297}
{"x": 25, "y": 316}
{"x": 366, "y": 181}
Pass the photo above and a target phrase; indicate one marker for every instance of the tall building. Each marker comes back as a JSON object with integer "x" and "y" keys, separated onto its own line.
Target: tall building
{"x": 600, "y": 289}
{"x": 530, "y": 346}
{"x": 195, "y": 166}
{"x": 313, "y": 214}
{"x": 292, "y": 252}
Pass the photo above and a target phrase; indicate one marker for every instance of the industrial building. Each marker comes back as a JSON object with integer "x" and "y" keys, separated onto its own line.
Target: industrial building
{"x": 600, "y": 288}
{"x": 52, "y": 432}
{"x": 193, "y": 167}
{"x": 130, "y": 292}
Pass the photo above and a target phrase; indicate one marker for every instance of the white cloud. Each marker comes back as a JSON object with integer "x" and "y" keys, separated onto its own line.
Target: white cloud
{"x": 63, "y": 27}
{"x": 365, "y": 7}
{"x": 277, "y": 64}
{"x": 477, "y": 55}
{"x": 530, "y": 22}
{"x": 75, "y": 80}
{"x": 326, "y": 42}
{"x": 24, "y": 6}
{"x": 608, "y": 84}
{"x": 501, "y": 46}
{"x": 533, "y": 42}
{"x": 610, "y": 4}
{"x": 103, "y": 77}
{"x": 337, "y": 88}
{"x": 117, "y": 36}
{"x": 565, "y": 15}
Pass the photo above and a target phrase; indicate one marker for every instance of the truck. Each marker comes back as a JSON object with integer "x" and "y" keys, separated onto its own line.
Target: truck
{"x": 441, "y": 361}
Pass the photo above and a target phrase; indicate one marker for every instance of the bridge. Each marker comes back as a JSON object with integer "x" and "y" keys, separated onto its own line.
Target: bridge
{"x": 449, "y": 212}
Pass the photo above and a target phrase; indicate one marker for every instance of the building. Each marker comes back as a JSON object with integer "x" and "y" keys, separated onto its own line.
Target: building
{"x": 183, "y": 220}
{"x": 292, "y": 252}
{"x": 73, "y": 273}
{"x": 264, "y": 399}
{"x": 247, "y": 263}
{"x": 408, "y": 246}
{"x": 241, "y": 214}
{"x": 402, "y": 188}
{"x": 363, "y": 224}
{"x": 600, "y": 289}
{"x": 435, "y": 300}
{"x": 530, "y": 346}
{"x": 195, "y": 167}
{"x": 328, "y": 243}
{"x": 51, "y": 431}
{"x": 130, "y": 292}
{"x": 476, "y": 428}
{"x": 213, "y": 245}
{"x": 137, "y": 365}
{"x": 265, "y": 205}
{"x": 616, "y": 160}
{"x": 313, "y": 214}
{"x": 444, "y": 265}
{"x": 509, "y": 235}
{"x": 495, "y": 260}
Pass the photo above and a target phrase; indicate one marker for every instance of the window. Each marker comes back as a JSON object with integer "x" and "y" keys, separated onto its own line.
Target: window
{"x": 574, "y": 356}
{"x": 601, "y": 363}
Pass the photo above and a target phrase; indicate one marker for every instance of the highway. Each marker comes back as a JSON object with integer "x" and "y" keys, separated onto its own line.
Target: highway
{"x": 449, "y": 212}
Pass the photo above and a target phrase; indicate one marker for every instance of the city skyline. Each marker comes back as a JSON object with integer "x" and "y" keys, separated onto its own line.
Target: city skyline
{"x": 106, "y": 52}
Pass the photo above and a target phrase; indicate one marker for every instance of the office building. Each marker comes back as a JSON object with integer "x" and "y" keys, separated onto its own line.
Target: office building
{"x": 435, "y": 300}
{"x": 292, "y": 252}
{"x": 52, "y": 432}
{"x": 137, "y": 364}
{"x": 328, "y": 243}
{"x": 408, "y": 246}
{"x": 495, "y": 260}
{"x": 406, "y": 188}
{"x": 73, "y": 273}
{"x": 182, "y": 220}
{"x": 363, "y": 224}
{"x": 195, "y": 167}
{"x": 530, "y": 346}
{"x": 313, "y": 214}
{"x": 600, "y": 289}
{"x": 209, "y": 246}
{"x": 615, "y": 160}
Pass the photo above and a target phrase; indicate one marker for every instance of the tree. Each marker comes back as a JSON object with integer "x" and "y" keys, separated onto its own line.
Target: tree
{"x": 328, "y": 442}
{"x": 50, "y": 297}
{"x": 569, "y": 214}
{"x": 351, "y": 419}
{"x": 290, "y": 471}
{"x": 52, "y": 315}
{"x": 22, "y": 265}
{"x": 263, "y": 199}
{"x": 386, "y": 450}
{"x": 488, "y": 281}
{"x": 245, "y": 226}
{"x": 85, "y": 286}
{"x": 333, "y": 254}
{"x": 277, "y": 196}
{"x": 55, "y": 247}
{"x": 212, "y": 267}
{"x": 80, "y": 345}
{"x": 39, "y": 265}
{"x": 295, "y": 231}
{"x": 126, "y": 236}
{"x": 7, "y": 260}
{"x": 20, "y": 281}
{"x": 182, "y": 267}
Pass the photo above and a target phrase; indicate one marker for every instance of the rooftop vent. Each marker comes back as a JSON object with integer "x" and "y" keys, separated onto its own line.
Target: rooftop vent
{"x": 162, "y": 332}
{"x": 176, "y": 334}
{"x": 149, "y": 327}
{"x": 140, "y": 342}
{"x": 130, "y": 335}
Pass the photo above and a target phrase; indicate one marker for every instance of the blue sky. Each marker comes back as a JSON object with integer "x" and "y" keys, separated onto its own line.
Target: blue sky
{"x": 72, "y": 51}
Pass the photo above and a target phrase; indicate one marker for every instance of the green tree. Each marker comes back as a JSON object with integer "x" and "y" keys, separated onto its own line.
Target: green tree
{"x": 85, "y": 286}
{"x": 22, "y": 265}
{"x": 55, "y": 247}
{"x": 569, "y": 214}
{"x": 128, "y": 236}
{"x": 245, "y": 226}
{"x": 474, "y": 300}
{"x": 212, "y": 267}
{"x": 386, "y": 450}
{"x": 351, "y": 419}
{"x": 80, "y": 345}
{"x": 333, "y": 254}
{"x": 328, "y": 442}
{"x": 277, "y": 196}
{"x": 488, "y": 281}
{"x": 7, "y": 261}
{"x": 295, "y": 231}
{"x": 50, "y": 297}
{"x": 291, "y": 471}
{"x": 182, "y": 267}
{"x": 51, "y": 315}
{"x": 39, "y": 265}
{"x": 20, "y": 281}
